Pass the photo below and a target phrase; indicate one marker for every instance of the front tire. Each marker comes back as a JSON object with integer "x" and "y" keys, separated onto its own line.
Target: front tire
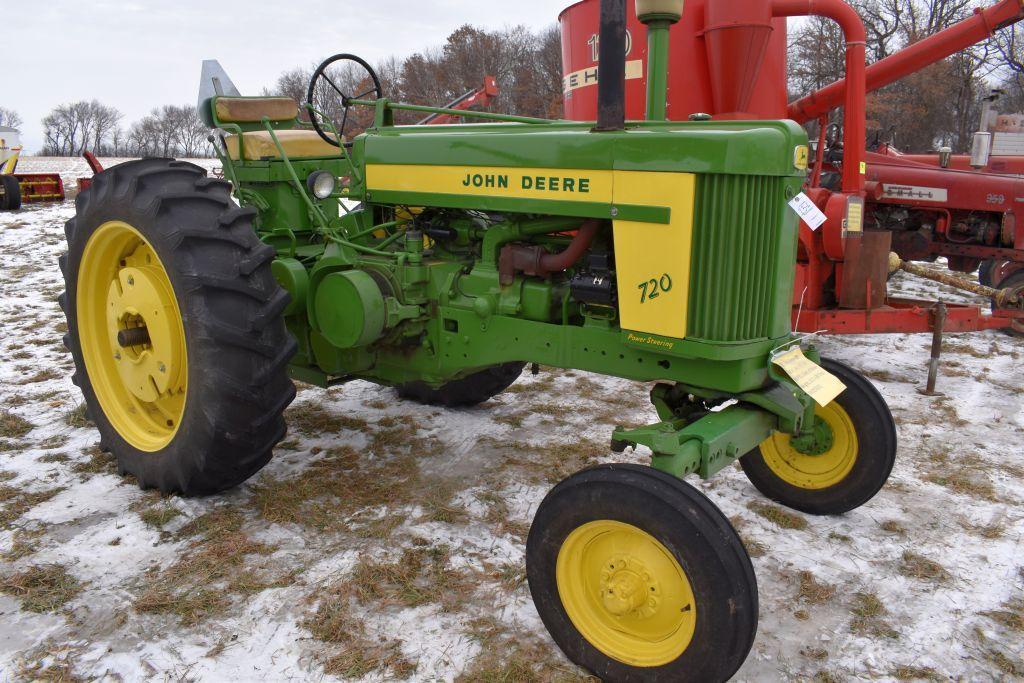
{"x": 175, "y": 327}
{"x": 846, "y": 474}
{"x": 639, "y": 577}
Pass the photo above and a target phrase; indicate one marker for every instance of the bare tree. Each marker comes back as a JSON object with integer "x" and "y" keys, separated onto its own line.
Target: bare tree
{"x": 10, "y": 118}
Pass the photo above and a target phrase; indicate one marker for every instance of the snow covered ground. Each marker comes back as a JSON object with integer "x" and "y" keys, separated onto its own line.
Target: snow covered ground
{"x": 385, "y": 539}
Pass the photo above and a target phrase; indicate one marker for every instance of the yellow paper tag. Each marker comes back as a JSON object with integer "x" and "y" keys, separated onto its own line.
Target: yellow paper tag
{"x": 819, "y": 384}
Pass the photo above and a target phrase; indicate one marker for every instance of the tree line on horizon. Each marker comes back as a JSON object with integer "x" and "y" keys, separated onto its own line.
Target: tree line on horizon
{"x": 938, "y": 105}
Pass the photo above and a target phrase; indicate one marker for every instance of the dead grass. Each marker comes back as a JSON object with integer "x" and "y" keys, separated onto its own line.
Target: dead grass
{"x": 336, "y": 486}
{"x": 98, "y": 463}
{"x": 49, "y": 663}
{"x": 17, "y": 502}
{"x": 76, "y": 417}
{"x": 421, "y": 575}
{"x": 778, "y": 516}
{"x": 507, "y": 656}
{"x": 44, "y": 375}
{"x": 917, "y": 566}
{"x": 42, "y": 588}
{"x": 814, "y": 592}
{"x": 964, "y": 484}
{"x": 215, "y": 567}
{"x": 359, "y": 654}
{"x": 818, "y": 654}
{"x": 14, "y": 426}
{"x": 24, "y": 542}
{"x": 893, "y": 527}
{"x": 313, "y": 419}
{"x": 1011, "y": 616}
{"x": 499, "y": 516}
{"x": 869, "y": 617}
{"x": 158, "y": 516}
{"x": 908, "y": 672}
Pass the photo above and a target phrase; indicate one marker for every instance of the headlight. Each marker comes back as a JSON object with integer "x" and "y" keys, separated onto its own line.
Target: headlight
{"x": 321, "y": 184}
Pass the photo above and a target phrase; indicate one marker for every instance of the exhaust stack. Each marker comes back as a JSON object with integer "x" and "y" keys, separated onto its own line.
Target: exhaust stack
{"x": 611, "y": 67}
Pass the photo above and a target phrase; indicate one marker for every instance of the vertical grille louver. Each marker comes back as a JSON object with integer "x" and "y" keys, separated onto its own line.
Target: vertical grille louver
{"x": 735, "y": 253}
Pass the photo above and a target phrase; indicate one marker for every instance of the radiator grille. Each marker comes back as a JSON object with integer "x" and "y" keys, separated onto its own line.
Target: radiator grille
{"x": 736, "y": 242}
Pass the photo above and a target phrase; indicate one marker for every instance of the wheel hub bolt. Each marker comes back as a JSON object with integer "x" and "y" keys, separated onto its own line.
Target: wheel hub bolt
{"x": 133, "y": 336}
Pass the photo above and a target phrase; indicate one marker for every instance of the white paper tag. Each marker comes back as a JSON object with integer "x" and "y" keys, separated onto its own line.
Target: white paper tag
{"x": 808, "y": 212}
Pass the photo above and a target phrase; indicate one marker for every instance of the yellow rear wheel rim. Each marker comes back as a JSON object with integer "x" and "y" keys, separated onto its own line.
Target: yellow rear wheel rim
{"x": 122, "y": 284}
{"x": 815, "y": 471}
{"x": 626, "y": 593}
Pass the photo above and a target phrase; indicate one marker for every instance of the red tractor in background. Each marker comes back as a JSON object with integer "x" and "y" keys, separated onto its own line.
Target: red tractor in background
{"x": 730, "y": 63}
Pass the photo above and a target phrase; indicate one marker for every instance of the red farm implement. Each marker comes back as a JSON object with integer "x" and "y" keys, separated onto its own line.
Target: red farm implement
{"x": 727, "y": 61}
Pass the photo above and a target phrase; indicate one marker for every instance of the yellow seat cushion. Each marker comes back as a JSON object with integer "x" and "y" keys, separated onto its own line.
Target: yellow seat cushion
{"x": 296, "y": 143}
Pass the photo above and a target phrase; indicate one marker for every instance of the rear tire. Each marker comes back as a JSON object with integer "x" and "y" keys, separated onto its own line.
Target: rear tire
{"x": 214, "y": 411}
{"x": 468, "y": 391}
{"x": 639, "y": 577}
{"x": 11, "y": 200}
{"x": 1014, "y": 281}
{"x": 850, "y": 472}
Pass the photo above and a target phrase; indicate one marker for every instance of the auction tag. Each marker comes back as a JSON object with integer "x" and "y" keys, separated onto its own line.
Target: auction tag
{"x": 808, "y": 212}
{"x": 819, "y": 383}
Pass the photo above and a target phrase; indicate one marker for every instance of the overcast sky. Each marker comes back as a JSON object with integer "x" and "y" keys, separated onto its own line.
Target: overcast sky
{"x": 140, "y": 54}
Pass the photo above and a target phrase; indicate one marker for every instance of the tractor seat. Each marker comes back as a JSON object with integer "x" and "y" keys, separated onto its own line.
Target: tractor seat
{"x": 258, "y": 144}
{"x": 296, "y": 143}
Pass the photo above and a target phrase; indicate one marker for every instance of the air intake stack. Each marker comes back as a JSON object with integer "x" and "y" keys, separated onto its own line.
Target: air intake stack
{"x": 658, "y": 16}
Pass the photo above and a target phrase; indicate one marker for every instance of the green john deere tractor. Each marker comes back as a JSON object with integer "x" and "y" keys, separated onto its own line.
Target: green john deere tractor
{"x": 441, "y": 259}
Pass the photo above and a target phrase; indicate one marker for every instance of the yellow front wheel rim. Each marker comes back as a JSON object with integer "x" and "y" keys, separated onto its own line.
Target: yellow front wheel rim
{"x": 131, "y": 335}
{"x": 815, "y": 471}
{"x": 626, "y": 593}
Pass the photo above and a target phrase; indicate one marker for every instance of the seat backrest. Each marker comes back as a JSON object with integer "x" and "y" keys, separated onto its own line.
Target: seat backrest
{"x": 253, "y": 109}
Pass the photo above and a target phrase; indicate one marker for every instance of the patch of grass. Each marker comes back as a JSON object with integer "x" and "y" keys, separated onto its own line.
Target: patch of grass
{"x": 77, "y": 417}
{"x": 7, "y": 476}
{"x": 511, "y": 575}
{"x": 419, "y": 576}
{"x": 14, "y": 426}
{"x": 824, "y": 676}
{"x": 818, "y": 654}
{"x": 868, "y": 617}
{"x": 17, "y": 502}
{"x": 42, "y": 588}
{"x": 216, "y": 565}
{"x": 159, "y": 515}
{"x": 1011, "y": 616}
{"x": 335, "y": 486}
{"x": 962, "y": 483}
{"x": 440, "y": 506}
{"x": 842, "y": 538}
{"x": 54, "y": 457}
{"x": 44, "y": 375}
{"x": 814, "y": 592}
{"x": 514, "y": 420}
{"x": 908, "y": 672}
{"x": 499, "y": 516}
{"x": 919, "y": 567}
{"x": 23, "y": 543}
{"x": 359, "y": 655}
{"x": 511, "y": 657}
{"x": 54, "y": 441}
{"x": 313, "y": 419}
{"x": 893, "y": 527}
{"x": 98, "y": 463}
{"x": 778, "y": 516}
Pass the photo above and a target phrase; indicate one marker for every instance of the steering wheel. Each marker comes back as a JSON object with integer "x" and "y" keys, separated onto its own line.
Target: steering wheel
{"x": 328, "y": 93}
